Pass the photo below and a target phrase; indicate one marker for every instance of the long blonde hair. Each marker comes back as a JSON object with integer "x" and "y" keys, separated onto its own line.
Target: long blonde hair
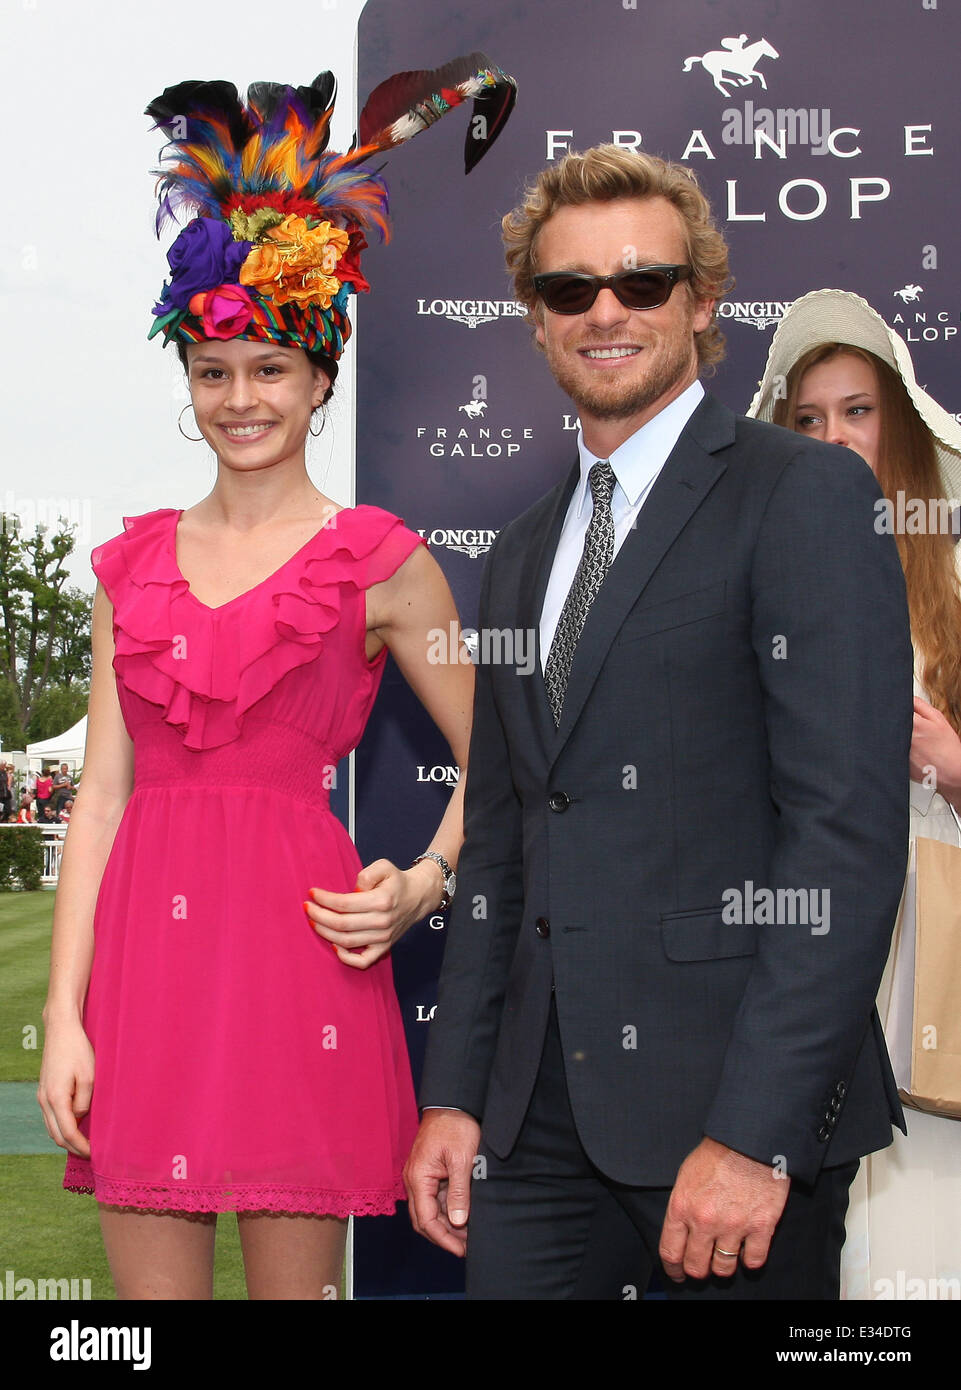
{"x": 907, "y": 463}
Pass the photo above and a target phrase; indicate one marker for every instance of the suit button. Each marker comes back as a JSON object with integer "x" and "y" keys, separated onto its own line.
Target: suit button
{"x": 559, "y": 801}
{"x": 841, "y": 1089}
{"x": 824, "y": 1134}
{"x": 835, "y": 1106}
{"x": 542, "y": 927}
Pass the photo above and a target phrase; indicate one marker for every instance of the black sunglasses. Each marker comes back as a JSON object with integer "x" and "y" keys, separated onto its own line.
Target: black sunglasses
{"x": 646, "y": 287}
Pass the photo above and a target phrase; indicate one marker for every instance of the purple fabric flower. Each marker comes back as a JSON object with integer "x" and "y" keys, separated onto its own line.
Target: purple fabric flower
{"x": 163, "y": 304}
{"x": 204, "y": 256}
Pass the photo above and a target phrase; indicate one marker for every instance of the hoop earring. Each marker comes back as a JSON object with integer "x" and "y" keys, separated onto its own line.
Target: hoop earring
{"x": 194, "y": 438}
{"x": 323, "y": 424}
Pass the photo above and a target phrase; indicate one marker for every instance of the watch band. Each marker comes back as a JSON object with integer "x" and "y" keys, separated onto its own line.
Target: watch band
{"x": 450, "y": 878}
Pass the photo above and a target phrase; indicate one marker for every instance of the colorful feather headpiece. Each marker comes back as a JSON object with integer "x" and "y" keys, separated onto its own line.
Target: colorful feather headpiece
{"x": 273, "y": 249}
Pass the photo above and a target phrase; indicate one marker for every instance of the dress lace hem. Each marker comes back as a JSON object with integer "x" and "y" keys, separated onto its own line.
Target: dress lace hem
{"x": 302, "y": 1201}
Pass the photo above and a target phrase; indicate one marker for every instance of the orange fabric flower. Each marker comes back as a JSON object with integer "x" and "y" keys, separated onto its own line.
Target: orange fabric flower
{"x": 295, "y": 262}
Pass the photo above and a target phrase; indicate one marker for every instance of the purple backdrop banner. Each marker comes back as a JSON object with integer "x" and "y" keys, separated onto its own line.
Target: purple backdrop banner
{"x": 824, "y": 133}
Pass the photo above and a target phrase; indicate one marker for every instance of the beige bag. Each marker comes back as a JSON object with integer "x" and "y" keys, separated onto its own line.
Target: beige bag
{"x": 923, "y": 1022}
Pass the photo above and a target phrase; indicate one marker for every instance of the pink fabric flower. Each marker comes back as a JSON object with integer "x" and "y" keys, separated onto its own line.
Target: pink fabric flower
{"x": 225, "y": 311}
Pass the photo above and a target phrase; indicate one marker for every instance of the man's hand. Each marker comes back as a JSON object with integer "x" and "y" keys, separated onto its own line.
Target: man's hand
{"x": 437, "y": 1177}
{"x": 721, "y": 1200}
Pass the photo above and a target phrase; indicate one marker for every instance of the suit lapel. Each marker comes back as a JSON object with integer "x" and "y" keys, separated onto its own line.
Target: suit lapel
{"x": 685, "y": 480}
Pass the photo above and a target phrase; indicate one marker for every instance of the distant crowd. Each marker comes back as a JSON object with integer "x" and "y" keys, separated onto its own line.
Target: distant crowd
{"x": 45, "y": 798}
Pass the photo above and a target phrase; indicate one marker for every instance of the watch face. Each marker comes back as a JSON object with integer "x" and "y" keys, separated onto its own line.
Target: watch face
{"x": 451, "y": 883}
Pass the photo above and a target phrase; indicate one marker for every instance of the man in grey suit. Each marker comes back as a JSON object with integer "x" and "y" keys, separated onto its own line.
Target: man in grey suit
{"x": 686, "y": 830}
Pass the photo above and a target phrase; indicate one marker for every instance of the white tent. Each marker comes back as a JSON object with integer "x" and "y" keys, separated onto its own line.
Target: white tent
{"x": 65, "y": 748}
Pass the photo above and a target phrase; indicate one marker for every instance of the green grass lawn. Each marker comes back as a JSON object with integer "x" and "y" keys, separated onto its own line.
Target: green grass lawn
{"x": 46, "y": 1233}
{"x": 25, "y": 920}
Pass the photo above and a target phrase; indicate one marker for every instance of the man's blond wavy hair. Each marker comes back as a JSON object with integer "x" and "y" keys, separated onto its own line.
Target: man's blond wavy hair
{"x": 603, "y": 174}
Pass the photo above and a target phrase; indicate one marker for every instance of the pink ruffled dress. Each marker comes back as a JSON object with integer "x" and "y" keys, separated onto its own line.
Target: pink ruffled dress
{"x": 239, "y": 1065}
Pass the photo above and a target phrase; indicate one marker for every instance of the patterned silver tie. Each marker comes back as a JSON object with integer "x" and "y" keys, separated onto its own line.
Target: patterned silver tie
{"x": 595, "y": 562}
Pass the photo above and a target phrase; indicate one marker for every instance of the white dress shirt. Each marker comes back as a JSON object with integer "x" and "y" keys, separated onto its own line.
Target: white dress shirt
{"x": 636, "y": 464}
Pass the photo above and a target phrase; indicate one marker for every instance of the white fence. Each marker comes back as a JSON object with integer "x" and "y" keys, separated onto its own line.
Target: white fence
{"x": 52, "y": 849}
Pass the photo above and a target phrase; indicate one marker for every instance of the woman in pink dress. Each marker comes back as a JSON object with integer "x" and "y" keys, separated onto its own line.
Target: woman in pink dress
{"x": 222, "y": 1032}
{"x": 44, "y": 791}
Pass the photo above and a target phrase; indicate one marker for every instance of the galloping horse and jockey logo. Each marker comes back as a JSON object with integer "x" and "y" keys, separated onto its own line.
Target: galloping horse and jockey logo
{"x": 734, "y": 63}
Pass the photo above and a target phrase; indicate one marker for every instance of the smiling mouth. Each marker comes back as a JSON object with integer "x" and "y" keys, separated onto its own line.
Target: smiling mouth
{"x": 607, "y": 354}
{"x": 246, "y": 431}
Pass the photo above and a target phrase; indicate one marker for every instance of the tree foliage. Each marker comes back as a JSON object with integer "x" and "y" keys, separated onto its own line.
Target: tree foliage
{"x": 44, "y": 633}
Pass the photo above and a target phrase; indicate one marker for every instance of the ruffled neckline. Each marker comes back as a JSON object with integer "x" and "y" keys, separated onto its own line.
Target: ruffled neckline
{"x": 177, "y": 513}
{"x": 207, "y": 666}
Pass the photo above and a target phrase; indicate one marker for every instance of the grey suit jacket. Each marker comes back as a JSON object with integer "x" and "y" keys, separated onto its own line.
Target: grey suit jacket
{"x": 735, "y": 734}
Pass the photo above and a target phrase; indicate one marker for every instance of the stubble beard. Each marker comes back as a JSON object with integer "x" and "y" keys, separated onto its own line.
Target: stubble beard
{"x": 617, "y": 400}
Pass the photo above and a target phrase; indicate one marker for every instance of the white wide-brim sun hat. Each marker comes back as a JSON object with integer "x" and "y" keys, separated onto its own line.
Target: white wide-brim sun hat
{"x": 838, "y": 316}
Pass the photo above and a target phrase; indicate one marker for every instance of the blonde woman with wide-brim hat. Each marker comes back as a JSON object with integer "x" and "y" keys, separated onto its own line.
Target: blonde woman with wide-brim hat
{"x": 838, "y": 371}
